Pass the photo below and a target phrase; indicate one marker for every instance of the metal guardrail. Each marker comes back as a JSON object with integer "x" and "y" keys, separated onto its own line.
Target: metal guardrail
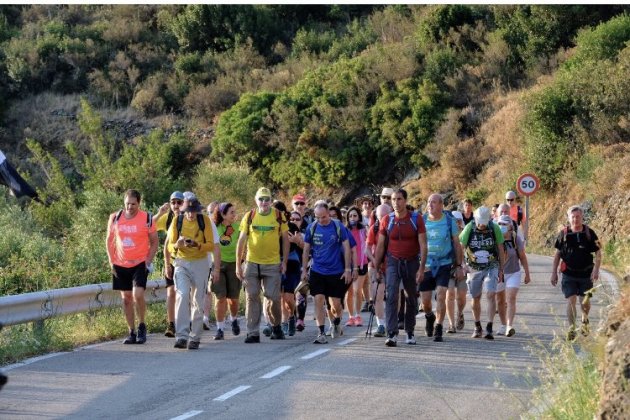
{"x": 39, "y": 306}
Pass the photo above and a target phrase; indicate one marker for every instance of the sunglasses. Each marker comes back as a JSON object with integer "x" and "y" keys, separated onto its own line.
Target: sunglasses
{"x": 295, "y": 219}
{"x": 386, "y": 197}
{"x": 178, "y": 202}
{"x": 264, "y": 199}
{"x": 510, "y": 199}
{"x": 299, "y": 203}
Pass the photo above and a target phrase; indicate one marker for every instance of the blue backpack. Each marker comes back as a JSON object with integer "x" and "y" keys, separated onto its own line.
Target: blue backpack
{"x": 337, "y": 229}
{"x": 414, "y": 215}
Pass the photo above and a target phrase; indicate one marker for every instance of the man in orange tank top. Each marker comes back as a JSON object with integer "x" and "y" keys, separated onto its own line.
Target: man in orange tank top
{"x": 132, "y": 242}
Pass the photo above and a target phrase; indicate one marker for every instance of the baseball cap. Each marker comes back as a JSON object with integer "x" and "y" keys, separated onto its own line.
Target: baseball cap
{"x": 388, "y": 192}
{"x": 299, "y": 197}
{"x": 457, "y": 215}
{"x": 263, "y": 192}
{"x": 177, "y": 195}
{"x": 510, "y": 195}
{"x": 504, "y": 219}
{"x": 189, "y": 195}
{"x": 194, "y": 205}
{"x": 482, "y": 216}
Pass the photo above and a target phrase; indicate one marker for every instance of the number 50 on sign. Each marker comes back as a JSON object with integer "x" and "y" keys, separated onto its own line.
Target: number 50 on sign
{"x": 527, "y": 184}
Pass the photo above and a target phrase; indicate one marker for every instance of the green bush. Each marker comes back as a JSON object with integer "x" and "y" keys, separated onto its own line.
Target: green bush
{"x": 226, "y": 183}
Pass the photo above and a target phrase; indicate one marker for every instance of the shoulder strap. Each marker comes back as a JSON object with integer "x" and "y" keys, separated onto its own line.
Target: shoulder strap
{"x": 279, "y": 220}
{"x": 169, "y": 219}
{"x": 414, "y": 215}
{"x": 337, "y": 229}
{"x": 390, "y": 225}
{"x": 180, "y": 222}
{"x": 149, "y": 219}
{"x": 250, "y": 218}
{"x": 120, "y": 212}
{"x": 202, "y": 226}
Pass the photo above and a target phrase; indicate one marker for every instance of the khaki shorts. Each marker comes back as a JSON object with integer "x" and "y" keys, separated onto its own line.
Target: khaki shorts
{"x": 229, "y": 286}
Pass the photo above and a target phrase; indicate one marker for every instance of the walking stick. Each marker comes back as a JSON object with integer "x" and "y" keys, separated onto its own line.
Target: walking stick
{"x": 368, "y": 332}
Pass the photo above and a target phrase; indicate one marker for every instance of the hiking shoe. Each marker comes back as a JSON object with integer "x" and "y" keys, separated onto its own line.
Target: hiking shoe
{"x": 219, "y": 335}
{"x": 337, "y": 331}
{"x": 181, "y": 343}
{"x": 391, "y": 341}
{"x": 267, "y": 330}
{"x": 365, "y": 307}
{"x": 206, "y": 323}
{"x": 170, "y": 330}
{"x": 299, "y": 325}
{"x": 131, "y": 338}
{"x": 585, "y": 328}
{"x": 351, "y": 322}
{"x": 501, "y": 330}
{"x": 291, "y": 326}
{"x": 489, "y": 335}
{"x": 460, "y": 322}
{"x": 380, "y": 331}
{"x": 451, "y": 330}
{"x": 252, "y": 338}
{"x": 194, "y": 345}
{"x": 428, "y": 328}
{"x": 411, "y": 339}
{"x": 509, "y": 332}
{"x": 478, "y": 332}
{"x": 321, "y": 339}
{"x": 277, "y": 333}
{"x": 236, "y": 329}
{"x": 285, "y": 328}
{"x": 358, "y": 322}
{"x": 437, "y": 333}
{"x": 142, "y": 333}
{"x": 571, "y": 334}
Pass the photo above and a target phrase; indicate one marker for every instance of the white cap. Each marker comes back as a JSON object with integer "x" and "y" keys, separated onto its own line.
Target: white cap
{"x": 457, "y": 215}
{"x": 504, "y": 219}
{"x": 482, "y": 216}
{"x": 510, "y": 195}
{"x": 388, "y": 192}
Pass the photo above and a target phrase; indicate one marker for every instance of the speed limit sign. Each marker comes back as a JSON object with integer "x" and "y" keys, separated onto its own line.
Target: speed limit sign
{"x": 527, "y": 184}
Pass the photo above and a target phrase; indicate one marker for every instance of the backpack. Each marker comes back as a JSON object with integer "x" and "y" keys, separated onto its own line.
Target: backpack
{"x": 252, "y": 213}
{"x": 200, "y": 221}
{"x": 169, "y": 219}
{"x": 391, "y": 224}
{"x": 564, "y": 250}
{"x": 337, "y": 229}
{"x": 490, "y": 226}
{"x": 120, "y": 213}
{"x": 449, "y": 221}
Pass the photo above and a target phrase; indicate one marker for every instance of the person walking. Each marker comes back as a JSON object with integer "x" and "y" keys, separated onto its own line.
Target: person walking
{"x": 457, "y": 289}
{"x": 131, "y": 244}
{"x": 261, "y": 228}
{"x": 354, "y": 295}
{"x": 578, "y": 257}
{"x": 405, "y": 235}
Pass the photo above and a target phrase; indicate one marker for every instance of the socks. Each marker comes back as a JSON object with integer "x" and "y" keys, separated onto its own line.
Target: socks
{"x": 321, "y": 329}
{"x": 337, "y": 321}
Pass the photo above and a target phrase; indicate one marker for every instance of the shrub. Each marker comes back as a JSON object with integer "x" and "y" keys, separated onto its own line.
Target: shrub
{"x": 226, "y": 182}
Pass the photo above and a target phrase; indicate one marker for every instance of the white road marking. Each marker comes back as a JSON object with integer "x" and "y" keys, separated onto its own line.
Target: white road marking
{"x": 275, "y": 372}
{"x": 188, "y": 415}
{"x": 232, "y": 393}
{"x": 348, "y": 341}
{"x": 33, "y": 360}
{"x": 315, "y": 354}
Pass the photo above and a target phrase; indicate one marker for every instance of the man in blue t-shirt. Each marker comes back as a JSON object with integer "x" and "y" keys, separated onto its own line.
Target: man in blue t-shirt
{"x": 324, "y": 242}
{"x": 444, "y": 255}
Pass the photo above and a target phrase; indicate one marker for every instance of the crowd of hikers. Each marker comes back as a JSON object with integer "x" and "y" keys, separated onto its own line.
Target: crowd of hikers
{"x": 380, "y": 259}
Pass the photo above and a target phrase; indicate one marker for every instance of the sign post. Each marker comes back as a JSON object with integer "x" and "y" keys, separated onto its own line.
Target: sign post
{"x": 527, "y": 184}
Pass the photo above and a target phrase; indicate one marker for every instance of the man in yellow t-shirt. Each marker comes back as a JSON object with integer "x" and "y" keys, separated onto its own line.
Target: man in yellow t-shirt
{"x": 263, "y": 231}
{"x": 189, "y": 241}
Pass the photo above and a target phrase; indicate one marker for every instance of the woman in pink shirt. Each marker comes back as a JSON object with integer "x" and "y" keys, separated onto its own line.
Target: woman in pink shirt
{"x": 354, "y": 223}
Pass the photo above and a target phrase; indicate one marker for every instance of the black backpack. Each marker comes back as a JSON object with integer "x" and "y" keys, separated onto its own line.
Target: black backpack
{"x": 200, "y": 221}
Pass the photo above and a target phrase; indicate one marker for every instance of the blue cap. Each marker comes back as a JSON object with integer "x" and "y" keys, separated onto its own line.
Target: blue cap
{"x": 177, "y": 195}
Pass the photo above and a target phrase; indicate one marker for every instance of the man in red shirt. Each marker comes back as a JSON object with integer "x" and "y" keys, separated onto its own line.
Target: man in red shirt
{"x": 405, "y": 235}
{"x": 132, "y": 242}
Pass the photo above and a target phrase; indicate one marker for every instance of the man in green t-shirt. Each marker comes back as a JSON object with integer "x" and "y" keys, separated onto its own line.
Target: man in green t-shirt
{"x": 263, "y": 229}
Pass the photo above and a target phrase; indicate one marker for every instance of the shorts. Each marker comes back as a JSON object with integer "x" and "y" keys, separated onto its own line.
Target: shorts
{"x": 362, "y": 270}
{"x": 484, "y": 280}
{"x": 452, "y": 282}
{"x": 513, "y": 280}
{"x": 572, "y": 286}
{"x": 431, "y": 282}
{"x": 170, "y": 282}
{"x": 292, "y": 278}
{"x": 229, "y": 286}
{"x": 126, "y": 278}
{"x": 328, "y": 285}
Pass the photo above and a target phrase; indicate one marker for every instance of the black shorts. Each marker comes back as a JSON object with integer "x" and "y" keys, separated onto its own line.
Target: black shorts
{"x": 126, "y": 278}
{"x": 572, "y": 286}
{"x": 329, "y": 285}
{"x": 441, "y": 278}
{"x": 170, "y": 282}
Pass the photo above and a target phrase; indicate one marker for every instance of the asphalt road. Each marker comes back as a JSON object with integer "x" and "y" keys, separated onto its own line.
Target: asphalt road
{"x": 351, "y": 377}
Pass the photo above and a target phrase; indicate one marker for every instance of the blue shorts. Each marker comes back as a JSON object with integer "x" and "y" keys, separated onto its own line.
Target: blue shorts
{"x": 292, "y": 278}
{"x": 572, "y": 286}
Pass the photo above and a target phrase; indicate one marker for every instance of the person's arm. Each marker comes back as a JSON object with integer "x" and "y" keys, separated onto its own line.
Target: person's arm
{"x": 305, "y": 257}
{"x": 459, "y": 258}
{"x": 380, "y": 250}
{"x": 109, "y": 242}
{"x": 240, "y": 251}
{"x": 554, "y": 269}
{"x": 285, "y": 251}
{"x": 523, "y": 259}
{"x": 153, "y": 247}
{"x": 598, "y": 262}
{"x": 164, "y": 208}
{"x": 347, "y": 260}
{"x": 422, "y": 240}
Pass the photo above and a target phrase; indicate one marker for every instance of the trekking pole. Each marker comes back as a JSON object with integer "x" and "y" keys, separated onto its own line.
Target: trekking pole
{"x": 368, "y": 332}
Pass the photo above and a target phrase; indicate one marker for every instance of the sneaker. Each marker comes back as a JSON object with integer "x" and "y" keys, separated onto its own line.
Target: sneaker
{"x": 291, "y": 326}
{"x": 478, "y": 332}
{"x": 180, "y": 343}
{"x": 451, "y": 330}
{"x": 380, "y": 331}
{"x": 391, "y": 341}
{"x": 194, "y": 345}
{"x": 131, "y": 338}
{"x": 411, "y": 339}
{"x": 365, "y": 307}
{"x": 236, "y": 329}
{"x": 509, "y": 332}
{"x": 267, "y": 330}
{"x": 358, "y": 322}
{"x": 460, "y": 322}
{"x": 337, "y": 331}
{"x": 329, "y": 331}
{"x": 252, "y": 338}
{"x": 277, "y": 333}
{"x": 420, "y": 308}
{"x": 489, "y": 335}
{"x": 321, "y": 339}
{"x": 501, "y": 330}
{"x": 219, "y": 335}
{"x": 285, "y": 328}
{"x": 585, "y": 328}
{"x": 571, "y": 334}
{"x": 351, "y": 322}
{"x": 170, "y": 330}
{"x": 299, "y": 325}
{"x": 142, "y": 333}
{"x": 437, "y": 333}
{"x": 428, "y": 328}
{"x": 206, "y": 323}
